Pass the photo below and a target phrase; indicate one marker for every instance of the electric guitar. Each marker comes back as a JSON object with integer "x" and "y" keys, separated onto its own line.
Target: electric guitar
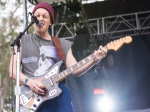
{"x": 50, "y": 80}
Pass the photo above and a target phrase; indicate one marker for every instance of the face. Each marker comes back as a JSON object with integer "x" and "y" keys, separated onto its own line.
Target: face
{"x": 44, "y": 17}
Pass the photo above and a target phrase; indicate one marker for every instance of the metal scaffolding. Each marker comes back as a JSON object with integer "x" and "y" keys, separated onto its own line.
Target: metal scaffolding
{"x": 111, "y": 27}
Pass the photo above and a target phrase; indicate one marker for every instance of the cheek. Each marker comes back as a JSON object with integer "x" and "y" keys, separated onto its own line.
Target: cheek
{"x": 34, "y": 26}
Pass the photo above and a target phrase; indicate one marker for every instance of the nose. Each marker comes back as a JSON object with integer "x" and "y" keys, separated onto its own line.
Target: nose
{"x": 40, "y": 18}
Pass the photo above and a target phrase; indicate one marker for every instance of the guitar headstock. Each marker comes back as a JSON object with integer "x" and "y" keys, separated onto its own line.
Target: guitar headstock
{"x": 117, "y": 44}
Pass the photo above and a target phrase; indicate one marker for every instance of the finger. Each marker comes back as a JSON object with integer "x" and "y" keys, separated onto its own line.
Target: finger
{"x": 102, "y": 54}
{"x": 100, "y": 47}
{"x": 40, "y": 88}
{"x": 98, "y": 55}
{"x": 104, "y": 50}
{"x": 40, "y": 91}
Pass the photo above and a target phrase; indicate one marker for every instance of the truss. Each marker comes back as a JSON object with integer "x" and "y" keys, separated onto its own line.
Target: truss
{"x": 111, "y": 27}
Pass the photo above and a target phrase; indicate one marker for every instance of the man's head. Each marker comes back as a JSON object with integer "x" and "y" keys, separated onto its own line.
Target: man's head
{"x": 46, "y": 6}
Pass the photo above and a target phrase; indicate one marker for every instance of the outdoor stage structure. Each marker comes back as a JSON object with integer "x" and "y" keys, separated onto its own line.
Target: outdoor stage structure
{"x": 110, "y": 27}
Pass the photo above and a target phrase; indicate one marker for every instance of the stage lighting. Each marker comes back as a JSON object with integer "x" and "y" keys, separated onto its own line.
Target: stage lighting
{"x": 105, "y": 104}
{"x": 71, "y": 12}
{"x": 74, "y": 6}
{"x": 70, "y": 17}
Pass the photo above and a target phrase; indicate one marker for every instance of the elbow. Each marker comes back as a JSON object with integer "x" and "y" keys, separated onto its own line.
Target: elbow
{"x": 12, "y": 74}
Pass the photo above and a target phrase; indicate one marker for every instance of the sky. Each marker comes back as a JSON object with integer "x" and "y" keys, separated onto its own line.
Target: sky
{"x": 10, "y": 7}
{"x": 19, "y": 13}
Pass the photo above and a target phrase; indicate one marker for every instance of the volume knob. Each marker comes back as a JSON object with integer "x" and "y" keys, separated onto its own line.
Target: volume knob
{"x": 38, "y": 99}
{"x": 34, "y": 105}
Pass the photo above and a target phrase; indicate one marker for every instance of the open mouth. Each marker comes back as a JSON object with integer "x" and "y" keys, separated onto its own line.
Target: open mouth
{"x": 41, "y": 25}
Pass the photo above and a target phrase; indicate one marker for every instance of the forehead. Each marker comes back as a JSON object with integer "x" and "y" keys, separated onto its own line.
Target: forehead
{"x": 41, "y": 11}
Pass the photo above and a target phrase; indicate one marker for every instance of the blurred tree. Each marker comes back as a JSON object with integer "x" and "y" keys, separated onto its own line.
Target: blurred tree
{"x": 10, "y": 21}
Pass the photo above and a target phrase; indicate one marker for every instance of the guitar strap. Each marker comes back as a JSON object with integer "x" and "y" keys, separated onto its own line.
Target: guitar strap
{"x": 59, "y": 49}
{"x": 58, "y": 46}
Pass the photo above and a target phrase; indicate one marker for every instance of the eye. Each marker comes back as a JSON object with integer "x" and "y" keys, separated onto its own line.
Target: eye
{"x": 44, "y": 16}
{"x": 37, "y": 15}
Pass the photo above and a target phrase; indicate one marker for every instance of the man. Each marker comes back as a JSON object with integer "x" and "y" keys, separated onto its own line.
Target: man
{"x": 38, "y": 55}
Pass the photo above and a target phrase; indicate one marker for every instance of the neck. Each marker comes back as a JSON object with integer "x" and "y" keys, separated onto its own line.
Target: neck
{"x": 45, "y": 35}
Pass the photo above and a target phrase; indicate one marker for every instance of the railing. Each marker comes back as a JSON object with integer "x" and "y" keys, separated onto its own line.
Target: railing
{"x": 111, "y": 27}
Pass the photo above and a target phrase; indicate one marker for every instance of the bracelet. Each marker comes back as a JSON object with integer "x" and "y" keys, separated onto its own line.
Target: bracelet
{"x": 25, "y": 81}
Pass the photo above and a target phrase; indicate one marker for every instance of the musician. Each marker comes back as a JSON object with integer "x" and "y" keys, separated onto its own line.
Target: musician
{"x": 38, "y": 55}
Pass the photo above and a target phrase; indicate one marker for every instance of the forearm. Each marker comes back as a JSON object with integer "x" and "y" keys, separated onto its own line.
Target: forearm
{"x": 22, "y": 77}
{"x": 84, "y": 68}
{"x": 71, "y": 61}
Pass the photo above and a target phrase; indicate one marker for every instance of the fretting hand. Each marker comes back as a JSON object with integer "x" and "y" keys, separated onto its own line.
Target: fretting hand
{"x": 100, "y": 53}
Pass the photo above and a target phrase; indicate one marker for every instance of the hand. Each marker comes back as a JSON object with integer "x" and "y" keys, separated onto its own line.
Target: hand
{"x": 36, "y": 86}
{"x": 100, "y": 53}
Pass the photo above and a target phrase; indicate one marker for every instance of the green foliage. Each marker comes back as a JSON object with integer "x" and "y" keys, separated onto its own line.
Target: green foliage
{"x": 2, "y": 4}
{"x": 8, "y": 31}
{"x": 31, "y": 29}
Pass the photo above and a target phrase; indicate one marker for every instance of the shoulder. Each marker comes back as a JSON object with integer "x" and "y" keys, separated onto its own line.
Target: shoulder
{"x": 28, "y": 37}
{"x": 66, "y": 45}
{"x": 64, "y": 40}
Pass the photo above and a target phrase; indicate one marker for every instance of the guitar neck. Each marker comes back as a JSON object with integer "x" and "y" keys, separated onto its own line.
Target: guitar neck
{"x": 59, "y": 77}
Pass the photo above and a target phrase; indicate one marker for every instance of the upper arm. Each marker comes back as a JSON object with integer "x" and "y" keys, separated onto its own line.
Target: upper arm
{"x": 70, "y": 60}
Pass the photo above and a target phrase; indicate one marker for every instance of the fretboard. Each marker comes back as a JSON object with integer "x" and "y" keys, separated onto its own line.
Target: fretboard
{"x": 73, "y": 68}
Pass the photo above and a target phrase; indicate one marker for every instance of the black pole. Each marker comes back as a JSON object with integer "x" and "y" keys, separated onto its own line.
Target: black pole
{"x": 21, "y": 34}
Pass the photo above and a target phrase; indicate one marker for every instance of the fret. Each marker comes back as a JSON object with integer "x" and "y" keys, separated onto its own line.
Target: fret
{"x": 59, "y": 76}
{"x": 66, "y": 72}
{"x": 86, "y": 59}
{"x": 78, "y": 64}
{"x": 62, "y": 74}
{"x": 89, "y": 58}
{"x": 71, "y": 69}
{"x": 83, "y": 61}
{"x": 75, "y": 66}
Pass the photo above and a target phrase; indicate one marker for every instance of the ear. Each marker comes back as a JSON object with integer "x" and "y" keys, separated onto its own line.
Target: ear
{"x": 50, "y": 24}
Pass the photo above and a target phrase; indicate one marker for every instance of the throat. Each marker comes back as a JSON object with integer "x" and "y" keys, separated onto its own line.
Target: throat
{"x": 45, "y": 36}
